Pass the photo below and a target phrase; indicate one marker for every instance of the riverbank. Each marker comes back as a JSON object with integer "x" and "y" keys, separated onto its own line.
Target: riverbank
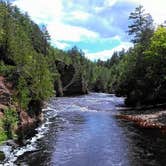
{"x": 149, "y": 118}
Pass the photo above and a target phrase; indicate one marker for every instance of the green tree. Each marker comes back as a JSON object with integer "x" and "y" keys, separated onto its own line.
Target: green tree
{"x": 141, "y": 25}
{"x": 156, "y": 65}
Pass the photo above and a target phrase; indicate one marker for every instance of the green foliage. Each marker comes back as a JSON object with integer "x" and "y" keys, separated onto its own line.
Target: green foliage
{"x": 41, "y": 79}
{"x": 29, "y": 61}
{"x": 8, "y": 123}
{"x": 140, "y": 74}
{"x": 141, "y": 26}
{"x": 3, "y": 135}
{"x": 22, "y": 50}
{"x": 23, "y": 93}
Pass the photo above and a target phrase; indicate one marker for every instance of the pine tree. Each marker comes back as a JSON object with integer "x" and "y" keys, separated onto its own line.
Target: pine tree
{"x": 141, "y": 27}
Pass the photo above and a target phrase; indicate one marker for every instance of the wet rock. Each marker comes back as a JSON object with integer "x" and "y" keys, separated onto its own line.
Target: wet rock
{"x": 11, "y": 143}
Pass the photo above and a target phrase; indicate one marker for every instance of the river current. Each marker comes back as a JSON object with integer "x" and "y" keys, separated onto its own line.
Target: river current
{"x": 84, "y": 131}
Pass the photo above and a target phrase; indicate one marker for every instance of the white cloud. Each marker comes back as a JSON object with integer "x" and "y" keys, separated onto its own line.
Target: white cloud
{"x": 106, "y": 54}
{"x": 51, "y": 12}
{"x": 42, "y": 10}
{"x": 60, "y": 45}
{"x": 107, "y": 3}
{"x": 79, "y": 15}
{"x": 110, "y": 3}
{"x": 157, "y": 8}
{"x": 63, "y": 32}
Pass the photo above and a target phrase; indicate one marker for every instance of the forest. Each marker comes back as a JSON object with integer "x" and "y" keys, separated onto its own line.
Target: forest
{"x": 36, "y": 70}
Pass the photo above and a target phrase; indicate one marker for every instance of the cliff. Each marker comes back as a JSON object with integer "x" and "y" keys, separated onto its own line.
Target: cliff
{"x": 20, "y": 118}
{"x": 71, "y": 80}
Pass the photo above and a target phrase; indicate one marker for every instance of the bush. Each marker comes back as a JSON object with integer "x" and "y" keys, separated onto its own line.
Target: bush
{"x": 9, "y": 121}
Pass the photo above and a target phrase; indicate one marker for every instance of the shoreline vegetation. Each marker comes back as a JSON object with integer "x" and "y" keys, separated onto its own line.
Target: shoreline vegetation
{"x": 32, "y": 71}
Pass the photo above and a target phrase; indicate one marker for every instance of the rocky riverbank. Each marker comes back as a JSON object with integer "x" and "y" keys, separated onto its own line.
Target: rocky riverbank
{"x": 71, "y": 82}
{"x": 12, "y": 118}
{"x": 153, "y": 120}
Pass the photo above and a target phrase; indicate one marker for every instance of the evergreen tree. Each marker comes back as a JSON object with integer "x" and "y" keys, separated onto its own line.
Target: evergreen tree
{"x": 141, "y": 25}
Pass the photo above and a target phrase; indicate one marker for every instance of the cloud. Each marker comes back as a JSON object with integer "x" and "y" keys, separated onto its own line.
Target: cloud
{"x": 79, "y": 15}
{"x": 52, "y": 13}
{"x": 108, "y": 19}
{"x": 92, "y": 25}
{"x": 60, "y": 45}
{"x": 110, "y": 3}
{"x": 106, "y": 54}
{"x": 42, "y": 11}
{"x": 63, "y": 32}
{"x": 155, "y": 7}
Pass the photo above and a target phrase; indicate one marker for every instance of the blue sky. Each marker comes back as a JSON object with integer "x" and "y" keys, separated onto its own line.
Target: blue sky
{"x": 98, "y": 27}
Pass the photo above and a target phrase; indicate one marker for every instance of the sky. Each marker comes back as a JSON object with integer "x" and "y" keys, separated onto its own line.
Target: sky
{"x": 98, "y": 27}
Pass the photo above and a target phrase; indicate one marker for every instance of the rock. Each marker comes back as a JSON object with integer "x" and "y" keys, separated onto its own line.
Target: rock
{"x": 71, "y": 80}
{"x": 11, "y": 143}
{"x": 25, "y": 119}
{"x": 66, "y": 72}
{"x": 77, "y": 86}
{"x": 58, "y": 87}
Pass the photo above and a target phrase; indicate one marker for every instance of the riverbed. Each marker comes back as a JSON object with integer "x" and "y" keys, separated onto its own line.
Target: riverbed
{"x": 84, "y": 131}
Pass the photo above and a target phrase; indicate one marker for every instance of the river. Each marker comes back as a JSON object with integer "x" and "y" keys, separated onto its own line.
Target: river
{"x": 83, "y": 131}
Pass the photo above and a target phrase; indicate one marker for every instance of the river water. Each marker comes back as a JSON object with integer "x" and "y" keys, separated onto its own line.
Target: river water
{"x": 83, "y": 131}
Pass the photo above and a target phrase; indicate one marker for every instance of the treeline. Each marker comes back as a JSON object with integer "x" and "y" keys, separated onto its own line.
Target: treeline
{"x": 139, "y": 74}
{"x": 36, "y": 70}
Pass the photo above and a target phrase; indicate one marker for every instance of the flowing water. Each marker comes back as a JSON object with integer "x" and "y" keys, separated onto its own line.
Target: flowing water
{"x": 83, "y": 131}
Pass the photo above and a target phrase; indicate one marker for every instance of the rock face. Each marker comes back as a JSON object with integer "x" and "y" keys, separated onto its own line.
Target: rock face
{"x": 6, "y": 93}
{"x": 58, "y": 87}
{"x": 25, "y": 119}
{"x": 72, "y": 81}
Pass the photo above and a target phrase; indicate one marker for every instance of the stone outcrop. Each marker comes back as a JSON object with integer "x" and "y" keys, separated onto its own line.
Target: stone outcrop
{"x": 25, "y": 119}
{"x": 58, "y": 87}
{"x": 71, "y": 80}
